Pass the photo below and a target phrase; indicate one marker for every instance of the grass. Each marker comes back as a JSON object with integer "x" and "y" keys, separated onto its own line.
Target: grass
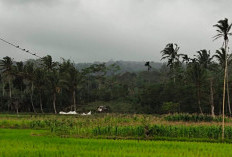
{"x": 30, "y": 143}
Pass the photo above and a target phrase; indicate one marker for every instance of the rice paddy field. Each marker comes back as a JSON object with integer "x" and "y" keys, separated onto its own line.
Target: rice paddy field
{"x": 19, "y": 143}
{"x": 113, "y": 135}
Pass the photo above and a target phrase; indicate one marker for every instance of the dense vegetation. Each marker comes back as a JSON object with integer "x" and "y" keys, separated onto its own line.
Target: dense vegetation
{"x": 45, "y": 86}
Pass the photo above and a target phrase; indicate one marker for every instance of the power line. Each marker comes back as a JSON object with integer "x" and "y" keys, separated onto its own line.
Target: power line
{"x": 18, "y": 47}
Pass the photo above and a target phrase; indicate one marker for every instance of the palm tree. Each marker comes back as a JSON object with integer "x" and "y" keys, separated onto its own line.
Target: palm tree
{"x": 71, "y": 78}
{"x": 6, "y": 66}
{"x": 221, "y": 58}
{"x": 205, "y": 60}
{"x": 30, "y": 77}
{"x": 40, "y": 84}
{"x": 196, "y": 74}
{"x": 20, "y": 75}
{"x": 54, "y": 84}
{"x": 147, "y": 64}
{"x": 19, "y": 85}
{"x": 185, "y": 58}
{"x": 48, "y": 64}
{"x": 53, "y": 77}
{"x": 223, "y": 29}
{"x": 170, "y": 52}
{"x": 2, "y": 85}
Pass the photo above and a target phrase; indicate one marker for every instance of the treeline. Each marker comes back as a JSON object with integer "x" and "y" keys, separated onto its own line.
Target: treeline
{"x": 46, "y": 85}
{"x": 183, "y": 84}
{"x": 192, "y": 85}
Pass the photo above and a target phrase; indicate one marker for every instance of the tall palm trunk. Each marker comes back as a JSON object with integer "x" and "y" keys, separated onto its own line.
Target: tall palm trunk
{"x": 74, "y": 100}
{"x": 174, "y": 74}
{"x": 21, "y": 91}
{"x": 10, "y": 92}
{"x": 224, "y": 92}
{"x": 227, "y": 90}
{"x": 41, "y": 103}
{"x": 211, "y": 98}
{"x": 54, "y": 102}
{"x": 3, "y": 88}
{"x": 32, "y": 93}
{"x": 199, "y": 98}
{"x": 17, "y": 108}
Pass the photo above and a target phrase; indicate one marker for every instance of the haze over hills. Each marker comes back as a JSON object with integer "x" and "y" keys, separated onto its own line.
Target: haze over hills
{"x": 125, "y": 66}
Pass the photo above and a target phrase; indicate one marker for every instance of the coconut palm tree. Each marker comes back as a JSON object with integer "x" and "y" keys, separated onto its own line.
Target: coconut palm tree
{"x": 147, "y": 64}
{"x": 197, "y": 75}
{"x": 53, "y": 77}
{"x": 2, "y": 85}
{"x": 221, "y": 58}
{"x": 70, "y": 77}
{"x": 54, "y": 83}
{"x": 6, "y": 66}
{"x": 185, "y": 58}
{"x": 20, "y": 75}
{"x": 205, "y": 60}
{"x": 30, "y": 79}
{"x": 40, "y": 79}
{"x": 19, "y": 83}
{"x": 170, "y": 52}
{"x": 223, "y": 29}
{"x": 48, "y": 64}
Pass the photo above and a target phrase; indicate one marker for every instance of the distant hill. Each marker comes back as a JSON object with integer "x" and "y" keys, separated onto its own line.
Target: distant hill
{"x": 125, "y": 66}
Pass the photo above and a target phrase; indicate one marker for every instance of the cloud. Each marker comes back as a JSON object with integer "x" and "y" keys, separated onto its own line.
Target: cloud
{"x": 100, "y": 30}
{"x": 29, "y": 2}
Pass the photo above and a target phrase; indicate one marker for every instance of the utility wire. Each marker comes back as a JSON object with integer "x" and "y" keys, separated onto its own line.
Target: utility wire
{"x": 18, "y": 47}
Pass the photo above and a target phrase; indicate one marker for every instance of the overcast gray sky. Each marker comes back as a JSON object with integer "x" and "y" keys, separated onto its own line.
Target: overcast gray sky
{"x": 101, "y": 30}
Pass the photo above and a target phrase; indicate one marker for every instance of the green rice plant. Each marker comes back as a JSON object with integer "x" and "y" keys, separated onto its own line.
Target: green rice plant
{"x": 30, "y": 143}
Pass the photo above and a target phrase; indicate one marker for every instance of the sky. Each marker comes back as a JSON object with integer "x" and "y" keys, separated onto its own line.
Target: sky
{"x": 103, "y": 30}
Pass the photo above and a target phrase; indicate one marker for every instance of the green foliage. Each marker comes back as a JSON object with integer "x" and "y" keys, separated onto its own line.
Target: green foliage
{"x": 170, "y": 107}
{"x": 193, "y": 118}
